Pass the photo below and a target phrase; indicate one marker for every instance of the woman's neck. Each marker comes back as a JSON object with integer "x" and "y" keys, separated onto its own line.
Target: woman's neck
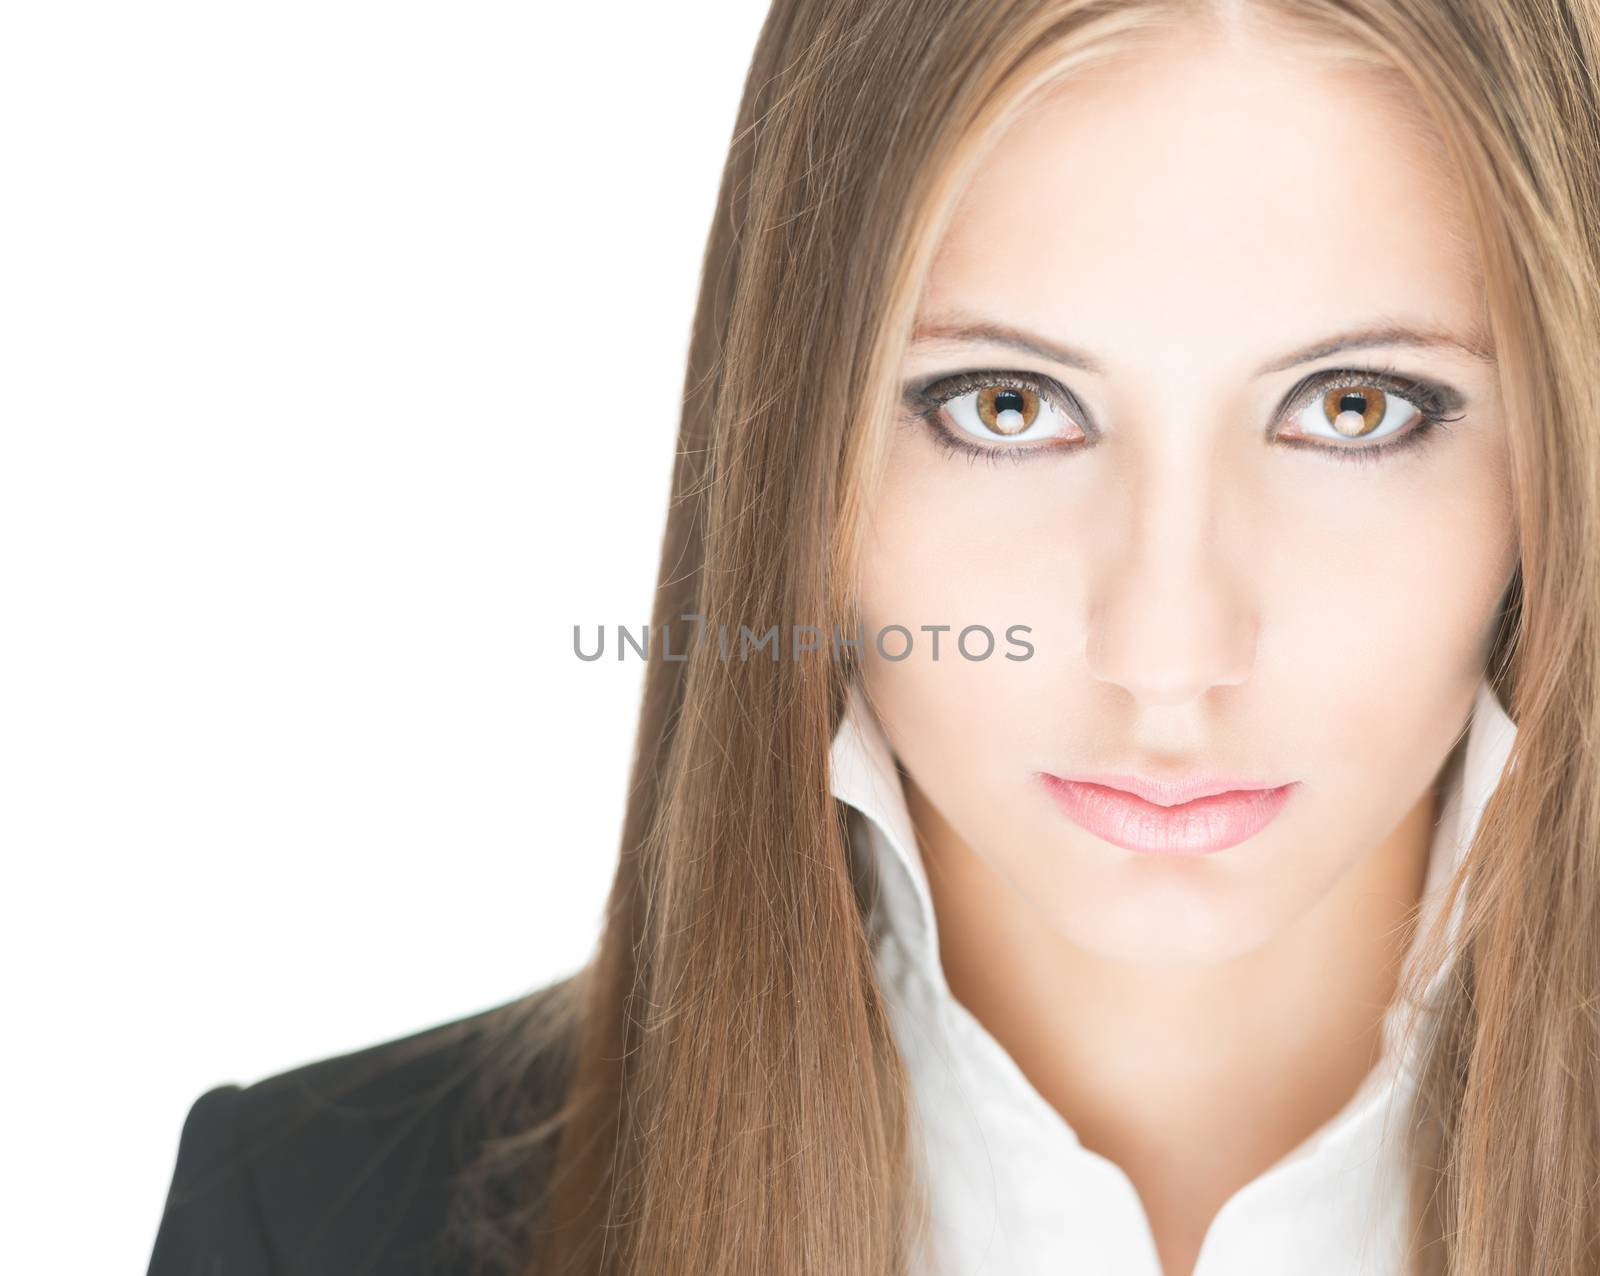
{"x": 1193, "y": 1080}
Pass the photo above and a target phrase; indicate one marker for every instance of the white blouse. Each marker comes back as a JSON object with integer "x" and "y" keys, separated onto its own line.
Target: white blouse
{"x": 1014, "y": 1192}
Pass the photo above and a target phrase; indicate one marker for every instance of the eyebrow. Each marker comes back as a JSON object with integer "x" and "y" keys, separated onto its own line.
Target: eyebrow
{"x": 1395, "y": 334}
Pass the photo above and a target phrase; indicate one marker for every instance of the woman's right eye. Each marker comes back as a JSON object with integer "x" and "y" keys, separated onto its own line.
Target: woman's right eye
{"x": 1003, "y": 409}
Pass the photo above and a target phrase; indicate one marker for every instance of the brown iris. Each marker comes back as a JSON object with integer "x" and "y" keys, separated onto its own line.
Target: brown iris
{"x": 1344, "y": 404}
{"x": 1020, "y": 406}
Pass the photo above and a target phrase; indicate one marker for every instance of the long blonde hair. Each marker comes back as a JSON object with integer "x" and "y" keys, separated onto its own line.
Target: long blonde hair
{"x": 732, "y": 1099}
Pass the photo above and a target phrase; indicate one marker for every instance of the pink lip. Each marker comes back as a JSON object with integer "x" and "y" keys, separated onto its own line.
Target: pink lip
{"x": 1196, "y": 817}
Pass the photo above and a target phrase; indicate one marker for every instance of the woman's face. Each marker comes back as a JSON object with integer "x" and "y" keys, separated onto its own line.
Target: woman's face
{"x": 1207, "y": 300}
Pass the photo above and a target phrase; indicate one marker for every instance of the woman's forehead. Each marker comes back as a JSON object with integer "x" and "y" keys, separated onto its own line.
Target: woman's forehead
{"x": 1212, "y": 199}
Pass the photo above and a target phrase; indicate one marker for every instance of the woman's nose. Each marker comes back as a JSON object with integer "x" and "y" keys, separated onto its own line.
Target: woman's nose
{"x": 1172, "y": 608}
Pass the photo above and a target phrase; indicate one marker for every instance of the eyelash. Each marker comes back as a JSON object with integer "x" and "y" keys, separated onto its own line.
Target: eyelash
{"x": 1432, "y": 400}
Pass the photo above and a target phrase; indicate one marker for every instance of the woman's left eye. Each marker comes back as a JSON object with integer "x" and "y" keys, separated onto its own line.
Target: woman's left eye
{"x": 1354, "y": 411}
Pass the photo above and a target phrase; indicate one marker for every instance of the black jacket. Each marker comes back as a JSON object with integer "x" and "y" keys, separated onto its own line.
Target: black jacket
{"x": 353, "y": 1165}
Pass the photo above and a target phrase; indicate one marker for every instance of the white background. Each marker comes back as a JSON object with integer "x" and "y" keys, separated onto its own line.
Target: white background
{"x": 340, "y": 355}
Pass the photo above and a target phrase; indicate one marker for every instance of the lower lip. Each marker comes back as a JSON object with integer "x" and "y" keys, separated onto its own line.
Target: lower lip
{"x": 1200, "y": 827}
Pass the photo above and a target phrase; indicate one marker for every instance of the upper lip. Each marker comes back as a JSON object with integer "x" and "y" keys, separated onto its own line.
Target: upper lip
{"x": 1173, "y": 792}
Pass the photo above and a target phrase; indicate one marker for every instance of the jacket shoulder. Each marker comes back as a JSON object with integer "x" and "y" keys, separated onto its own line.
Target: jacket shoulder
{"x": 210, "y": 1223}
{"x": 349, "y": 1164}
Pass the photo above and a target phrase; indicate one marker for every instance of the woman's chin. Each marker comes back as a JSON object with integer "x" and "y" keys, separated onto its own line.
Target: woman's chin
{"x": 1166, "y": 917}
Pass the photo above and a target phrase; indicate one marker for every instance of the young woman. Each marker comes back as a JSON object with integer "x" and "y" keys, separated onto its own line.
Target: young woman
{"x": 1180, "y": 422}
